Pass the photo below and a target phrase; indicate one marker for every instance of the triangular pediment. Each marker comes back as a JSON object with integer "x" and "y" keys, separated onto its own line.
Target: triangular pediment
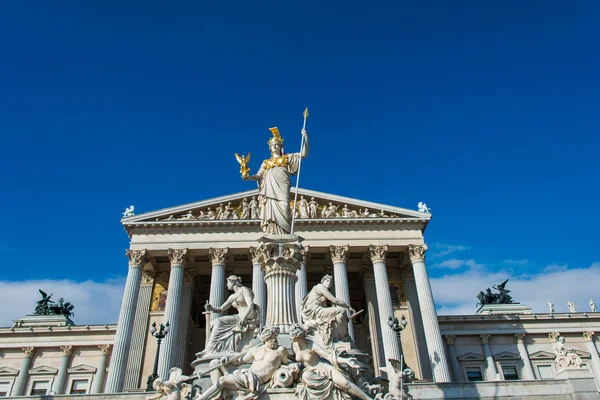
{"x": 230, "y": 208}
{"x": 471, "y": 357}
{"x": 583, "y": 354}
{"x": 43, "y": 369}
{"x": 82, "y": 368}
{"x": 507, "y": 355}
{"x": 7, "y": 371}
{"x": 542, "y": 355}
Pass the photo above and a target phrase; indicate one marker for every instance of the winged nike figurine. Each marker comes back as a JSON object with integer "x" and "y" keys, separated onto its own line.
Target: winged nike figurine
{"x": 244, "y": 170}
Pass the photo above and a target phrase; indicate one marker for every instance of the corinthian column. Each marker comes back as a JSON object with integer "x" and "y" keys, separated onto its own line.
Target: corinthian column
{"x": 280, "y": 259}
{"x": 527, "y": 368}
{"x": 490, "y": 370}
{"x": 138, "y": 336}
{"x": 116, "y": 372}
{"x": 588, "y": 337}
{"x": 178, "y": 258}
{"x": 217, "y": 279}
{"x": 302, "y": 284}
{"x": 99, "y": 378}
{"x": 184, "y": 317}
{"x": 433, "y": 337}
{"x": 23, "y": 371}
{"x": 59, "y": 382}
{"x": 339, "y": 254}
{"x": 258, "y": 283}
{"x": 391, "y": 343}
{"x": 373, "y": 318}
{"x": 456, "y": 371}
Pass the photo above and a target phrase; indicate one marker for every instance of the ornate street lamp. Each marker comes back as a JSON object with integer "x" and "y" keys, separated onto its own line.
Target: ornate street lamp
{"x": 397, "y": 326}
{"x": 160, "y": 335}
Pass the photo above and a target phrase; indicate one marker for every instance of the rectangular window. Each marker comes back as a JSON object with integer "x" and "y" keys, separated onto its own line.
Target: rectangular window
{"x": 510, "y": 373}
{"x": 4, "y": 388}
{"x": 474, "y": 374}
{"x": 40, "y": 387}
{"x": 545, "y": 372}
{"x": 79, "y": 386}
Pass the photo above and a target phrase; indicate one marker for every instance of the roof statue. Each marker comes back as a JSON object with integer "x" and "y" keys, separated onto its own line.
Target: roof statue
{"x": 274, "y": 183}
{"x": 129, "y": 211}
{"x": 45, "y": 306}
{"x": 502, "y": 297}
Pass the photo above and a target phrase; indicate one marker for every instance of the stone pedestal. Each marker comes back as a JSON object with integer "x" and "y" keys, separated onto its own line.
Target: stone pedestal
{"x": 496, "y": 309}
{"x": 42, "y": 321}
{"x": 280, "y": 258}
{"x": 581, "y": 381}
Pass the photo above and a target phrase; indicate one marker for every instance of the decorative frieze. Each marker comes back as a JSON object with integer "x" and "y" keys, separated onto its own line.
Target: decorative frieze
{"x": 177, "y": 256}
{"x": 416, "y": 252}
{"x": 338, "y": 253}
{"x": 137, "y": 258}
{"x": 66, "y": 350}
{"x": 218, "y": 255}
{"x": 377, "y": 253}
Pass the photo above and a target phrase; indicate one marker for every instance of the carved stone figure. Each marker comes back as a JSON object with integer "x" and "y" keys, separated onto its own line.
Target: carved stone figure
{"x": 565, "y": 357}
{"x": 274, "y": 184}
{"x": 593, "y": 306}
{"x": 245, "y": 209}
{"x": 175, "y": 388}
{"x": 210, "y": 214}
{"x": 254, "y": 212}
{"x": 45, "y": 306}
{"x": 550, "y": 306}
{"x": 251, "y": 382}
{"x": 397, "y": 378}
{"x": 220, "y": 211}
{"x": 330, "y": 321}
{"x": 347, "y": 213}
{"x": 129, "y": 211}
{"x": 325, "y": 212}
{"x": 571, "y": 306}
{"x": 187, "y": 217}
{"x": 332, "y": 210}
{"x": 313, "y": 207}
{"x": 423, "y": 208}
{"x": 228, "y": 331}
{"x": 326, "y": 372}
{"x": 365, "y": 213}
{"x": 303, "y": 207}
{"x": 202, "y": 216}
{"x": 502, "y": 297}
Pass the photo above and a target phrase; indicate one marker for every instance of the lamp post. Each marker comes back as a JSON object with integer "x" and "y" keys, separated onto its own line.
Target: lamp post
{"x": 397, "y": 326}
{"x": 160, "y": 335}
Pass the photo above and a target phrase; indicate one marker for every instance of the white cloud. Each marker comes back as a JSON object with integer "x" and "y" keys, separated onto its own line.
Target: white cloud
{"x": 95, "y": 302}
{"x": 516, "y": 262}
{"x": 456, "y": 293}
{"x": 452, "y": 263}
{"x": 443, "y": 249}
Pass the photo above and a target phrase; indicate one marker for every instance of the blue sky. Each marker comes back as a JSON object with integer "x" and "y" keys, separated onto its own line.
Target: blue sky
{"x": 486, "y": 111}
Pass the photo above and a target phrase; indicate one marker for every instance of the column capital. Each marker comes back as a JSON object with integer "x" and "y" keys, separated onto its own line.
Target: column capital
{"x": 416, "y": 252}
{"x": 304, "y": 253}
{"x": 377, "y": 253}
{"x": 449, "y": 339}
{"x": 588, "y": 336}
{"x": 338, "y": 253}
{"x": 255, "y": 255}
{"x": 148, "y": 277}
{"x": 553, "y": 336}
{"x": 367, "y": 272}
{"x": 105, "y": 349}
{"x": 189, "y": 276}
{"x": 177, "y": 256}
{"x": 29, "y": 351}
{"x": 137, "y": 258}
{"x": 519, "y": 337}
{"x": 66, "y": 350}
{"x": 218, "y": 255}
{"x": 484, "y": 339}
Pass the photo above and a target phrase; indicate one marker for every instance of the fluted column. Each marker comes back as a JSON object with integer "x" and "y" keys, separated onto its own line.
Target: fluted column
{"x": 339, "y": 254}
{"x": 259, "y": 287}
{"x": 184, "y": 318}
{"x": 391, "y": 343}
{"x": 588, "y": 337}
{"x": 140, "y": 330}
{"x": 302, "y": 283}
{"x": 490, "y": 369}
{"x": 178, "y": 258}
{"x": 456, "y": 370}
{"x": 59, "y": 382}
{"x": 118, "y": 362}
{"x": 527, "y": 368}
{"x": 280, "y": 259}
{"x": 373, "y": 319}
{"x": 23, "y": 371}
{"x": 217, "y": 279}
{"x": 99, "y": 378}
{"x": 433, "y": 337}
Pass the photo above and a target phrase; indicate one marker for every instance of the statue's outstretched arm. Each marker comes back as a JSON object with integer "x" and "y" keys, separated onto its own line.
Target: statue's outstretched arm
{"x": 333, "y": 299}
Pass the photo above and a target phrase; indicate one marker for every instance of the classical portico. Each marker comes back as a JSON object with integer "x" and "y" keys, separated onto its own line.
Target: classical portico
{"x": 359, "y": 241}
